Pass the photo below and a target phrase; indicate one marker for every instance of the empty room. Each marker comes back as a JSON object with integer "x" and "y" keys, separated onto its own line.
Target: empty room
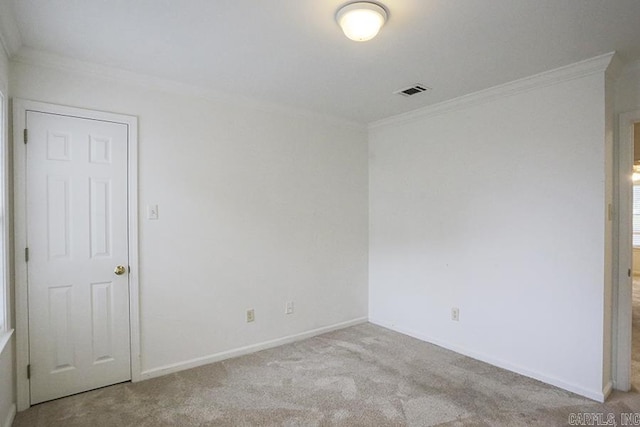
{"x": 310, "y": 213}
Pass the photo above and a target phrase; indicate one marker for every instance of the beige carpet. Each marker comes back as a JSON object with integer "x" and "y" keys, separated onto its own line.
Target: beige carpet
{"x": 359, "y": 376}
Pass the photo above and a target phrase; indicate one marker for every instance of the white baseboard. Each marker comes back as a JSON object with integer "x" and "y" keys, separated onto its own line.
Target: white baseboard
{"x": 597, "y": 395}
{"x": 199, "y": 361}
{"x": 10, "y": 416}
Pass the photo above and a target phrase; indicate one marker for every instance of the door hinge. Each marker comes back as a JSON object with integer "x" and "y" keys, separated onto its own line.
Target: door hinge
{"x": 29, "y": 372}
{"x": 26, "y": 254}
{"x": 629, "y": 272}
{"x": 25, "y": 136}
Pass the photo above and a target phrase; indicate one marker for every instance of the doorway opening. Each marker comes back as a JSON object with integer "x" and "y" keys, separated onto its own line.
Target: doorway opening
{"x": 627, "y": 224}
{"x": 635, "y": 262}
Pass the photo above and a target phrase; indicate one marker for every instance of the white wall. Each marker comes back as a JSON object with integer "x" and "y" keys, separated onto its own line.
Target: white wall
{"x": 257, "y": 207}
{"x": 497, "y": 208}
{"x": 7, "y": 370}
{"x": 628, "y": 89}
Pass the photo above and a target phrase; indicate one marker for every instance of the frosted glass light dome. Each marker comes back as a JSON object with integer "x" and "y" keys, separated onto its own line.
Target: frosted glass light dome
{"x": 361, "y": 21}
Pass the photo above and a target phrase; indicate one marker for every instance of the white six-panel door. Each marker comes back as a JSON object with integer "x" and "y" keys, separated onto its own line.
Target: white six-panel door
{"x": 76, "y": 204}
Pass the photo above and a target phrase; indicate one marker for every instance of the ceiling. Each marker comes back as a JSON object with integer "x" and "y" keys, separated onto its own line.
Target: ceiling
{"x": 292, "y": 52}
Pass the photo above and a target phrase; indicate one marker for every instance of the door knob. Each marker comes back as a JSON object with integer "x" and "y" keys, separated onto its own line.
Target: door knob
{"x": 120, "y": 270}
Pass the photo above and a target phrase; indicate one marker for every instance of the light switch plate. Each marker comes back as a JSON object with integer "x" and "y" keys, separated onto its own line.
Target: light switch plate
{"x": 289, "y": 308}
{"x": 152, "y": 212}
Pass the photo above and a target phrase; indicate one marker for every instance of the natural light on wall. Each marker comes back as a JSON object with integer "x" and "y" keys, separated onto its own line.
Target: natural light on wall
{"x": 636, "y": 206}
{"x": 636, "y": 216}
{"x": 635, "y": 177}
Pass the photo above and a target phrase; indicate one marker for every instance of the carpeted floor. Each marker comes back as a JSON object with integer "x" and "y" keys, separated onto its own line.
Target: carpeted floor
{"x": 360, "y": 376}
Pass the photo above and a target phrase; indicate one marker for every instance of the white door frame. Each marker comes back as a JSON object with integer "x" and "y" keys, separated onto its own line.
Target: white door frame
{"x": 20, "y": 108}
{"x": 622, "y": 299}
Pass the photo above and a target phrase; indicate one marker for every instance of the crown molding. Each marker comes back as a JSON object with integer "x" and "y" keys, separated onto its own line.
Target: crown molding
{"x": 43, "y": 59}
{"x": 598, "y": 64}
{"x": 10, "y": 37}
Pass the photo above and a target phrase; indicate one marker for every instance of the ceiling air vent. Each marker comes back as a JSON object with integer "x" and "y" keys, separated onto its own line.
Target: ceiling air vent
{"x": 412, "y": 90}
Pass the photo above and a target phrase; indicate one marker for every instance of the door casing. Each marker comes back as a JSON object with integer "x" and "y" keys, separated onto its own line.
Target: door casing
{"x": 20, "y": 108}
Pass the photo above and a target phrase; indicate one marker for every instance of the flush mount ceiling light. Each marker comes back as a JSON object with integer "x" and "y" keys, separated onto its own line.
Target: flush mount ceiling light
{"x": 362, "y": 20}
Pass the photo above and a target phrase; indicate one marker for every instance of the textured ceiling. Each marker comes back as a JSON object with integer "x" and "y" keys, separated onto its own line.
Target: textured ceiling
{"x": 292, "y": 52}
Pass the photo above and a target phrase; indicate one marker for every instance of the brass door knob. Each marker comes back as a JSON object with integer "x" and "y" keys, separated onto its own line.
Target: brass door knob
{"x": 120, "y": 270}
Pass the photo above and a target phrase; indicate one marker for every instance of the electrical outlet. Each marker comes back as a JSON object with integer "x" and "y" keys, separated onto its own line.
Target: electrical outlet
{"x": 455, "y": 314}
{"x": 251, "y": 315}
{"x": 289, "y": 308}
